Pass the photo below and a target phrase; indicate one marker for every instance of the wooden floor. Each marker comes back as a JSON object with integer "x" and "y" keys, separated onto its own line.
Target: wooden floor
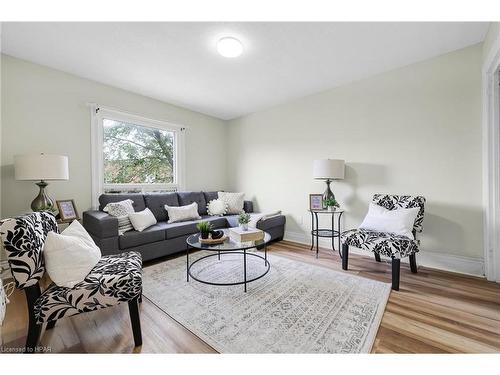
{"x": 433, "y": 312}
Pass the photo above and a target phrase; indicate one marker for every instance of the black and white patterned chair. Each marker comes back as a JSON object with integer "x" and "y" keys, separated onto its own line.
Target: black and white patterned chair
{"x": 394, "y": 246}
{"x": 115, "y": 279}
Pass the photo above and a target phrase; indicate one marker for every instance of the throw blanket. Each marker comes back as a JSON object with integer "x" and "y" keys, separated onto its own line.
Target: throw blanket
{"x": 255, "y": 218}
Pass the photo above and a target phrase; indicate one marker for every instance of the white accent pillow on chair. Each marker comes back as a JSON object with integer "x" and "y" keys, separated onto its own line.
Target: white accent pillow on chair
{"x": 399, "y": 221}
{"x": 71, "y": 255}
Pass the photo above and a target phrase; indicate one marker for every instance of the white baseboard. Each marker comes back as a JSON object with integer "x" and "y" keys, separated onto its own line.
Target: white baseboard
{"x": 429, "y": 259}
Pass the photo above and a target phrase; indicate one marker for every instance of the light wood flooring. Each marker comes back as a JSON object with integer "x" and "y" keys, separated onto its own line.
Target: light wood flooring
{"x": 433, "y": 312}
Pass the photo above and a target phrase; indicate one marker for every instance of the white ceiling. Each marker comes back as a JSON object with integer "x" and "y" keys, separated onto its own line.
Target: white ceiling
{"x": 178, "y": 62}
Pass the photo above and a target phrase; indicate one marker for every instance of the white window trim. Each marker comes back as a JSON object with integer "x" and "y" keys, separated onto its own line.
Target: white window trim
{"x": 97, "y": 115}
{"x": 491, "y": 162}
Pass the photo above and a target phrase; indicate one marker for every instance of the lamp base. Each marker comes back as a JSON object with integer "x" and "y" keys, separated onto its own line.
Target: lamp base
{"x": 42, "y": 202}
{"x": 328, "y": 192}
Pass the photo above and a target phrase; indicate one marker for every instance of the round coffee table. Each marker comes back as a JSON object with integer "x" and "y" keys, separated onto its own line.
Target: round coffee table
{"x": 228, "y": 246}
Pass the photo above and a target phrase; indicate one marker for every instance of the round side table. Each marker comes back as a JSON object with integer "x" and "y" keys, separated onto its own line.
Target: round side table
{"x": 332, "y": 232}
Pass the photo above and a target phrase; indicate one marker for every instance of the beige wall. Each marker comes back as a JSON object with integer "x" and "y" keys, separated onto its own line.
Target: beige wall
{"x": 415, "y": 130}
{"x": 44, "y": 110}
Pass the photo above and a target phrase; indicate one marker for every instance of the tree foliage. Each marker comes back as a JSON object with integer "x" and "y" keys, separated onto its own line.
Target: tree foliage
{"x": 137, "y": 154}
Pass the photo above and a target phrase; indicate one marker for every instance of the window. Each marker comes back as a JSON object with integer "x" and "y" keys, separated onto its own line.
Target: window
{"x": 137, "y": 154}
{"x": 134, "y": 154}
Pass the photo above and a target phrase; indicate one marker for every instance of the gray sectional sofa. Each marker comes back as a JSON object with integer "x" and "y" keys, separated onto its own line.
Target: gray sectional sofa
{"x": 163, "y": 238}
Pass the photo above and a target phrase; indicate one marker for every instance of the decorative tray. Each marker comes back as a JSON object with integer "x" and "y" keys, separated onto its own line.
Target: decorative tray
{"x": 210, "y": 241}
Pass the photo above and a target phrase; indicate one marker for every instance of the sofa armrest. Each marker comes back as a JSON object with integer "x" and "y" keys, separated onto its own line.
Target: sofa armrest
{"x": 100, "y": 224}
{"x": 248, "y": 206}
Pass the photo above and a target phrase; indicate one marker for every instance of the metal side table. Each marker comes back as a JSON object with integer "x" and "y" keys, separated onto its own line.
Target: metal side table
{"x": 332, "y": 232}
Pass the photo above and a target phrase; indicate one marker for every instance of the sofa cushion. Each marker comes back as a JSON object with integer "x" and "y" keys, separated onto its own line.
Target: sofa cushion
{"x": 156, "y": 203}
{"x": 271, "y": 222}
{"x": 210, "y": 195}
{"x": 189, "y": 227}
{"x": 138, "y": 200}
{"x": 188, "y": 197}
{"x": 134, "y": 238}
{"x": 232, "y": 220}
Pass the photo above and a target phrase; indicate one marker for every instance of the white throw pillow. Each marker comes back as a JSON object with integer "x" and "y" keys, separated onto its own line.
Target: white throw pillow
{"x": 182, "y": 213}
{"x": 142, "y": 220}
{"x": 217, "y": 207}
{"x": 399, "y": 221}
{"x": 70, "y": 256}
{"x": 234, "y": 201}
{"x": 121, "y": 210}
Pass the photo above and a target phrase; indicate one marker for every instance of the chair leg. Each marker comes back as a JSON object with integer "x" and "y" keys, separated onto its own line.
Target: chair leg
{"x": 51, "y": 324}
{"x": 345, "y": 256}
{"x": 34, "y": 329}
{"x": 395, "y": 273}
{"x": 413, "y": 263}
{"x": 377, "y": 257}
{"x": 133, "y": 307}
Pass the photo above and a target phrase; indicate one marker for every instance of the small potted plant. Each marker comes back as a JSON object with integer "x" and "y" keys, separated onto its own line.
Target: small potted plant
{"x": 331, "y": 204}
{"x": 243, "y": 220}
{"x": 204, "y": 227}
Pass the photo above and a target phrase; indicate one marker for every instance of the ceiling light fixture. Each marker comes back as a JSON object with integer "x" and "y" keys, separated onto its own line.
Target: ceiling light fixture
{"x": 229, "y": 47}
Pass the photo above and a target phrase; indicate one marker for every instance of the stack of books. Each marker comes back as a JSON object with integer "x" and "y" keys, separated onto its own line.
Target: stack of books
{"x": 238, "y": 235}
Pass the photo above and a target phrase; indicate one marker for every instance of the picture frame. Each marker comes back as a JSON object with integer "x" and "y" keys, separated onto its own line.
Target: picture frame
{"x": 316, "y": 202}
{"x": 67, "y": 210}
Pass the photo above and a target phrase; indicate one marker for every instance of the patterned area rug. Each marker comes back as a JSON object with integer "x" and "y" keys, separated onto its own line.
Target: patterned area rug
{"x": 295, "y": 308}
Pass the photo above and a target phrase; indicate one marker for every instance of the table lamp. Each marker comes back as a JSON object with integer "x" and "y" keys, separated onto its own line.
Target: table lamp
{"x": 328, "y": 170}
{"x": 41, "y": 167}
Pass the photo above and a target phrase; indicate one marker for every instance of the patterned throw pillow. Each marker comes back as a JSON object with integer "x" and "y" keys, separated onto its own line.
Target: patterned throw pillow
{"x": 121, "y": 210}
{"x": 217, "y": 207}
{"x": 234, "y": 201}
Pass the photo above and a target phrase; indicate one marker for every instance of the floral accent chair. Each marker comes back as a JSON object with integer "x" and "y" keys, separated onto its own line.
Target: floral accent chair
{"x": 391, "y": 245}
{"x": 115, "y": 278}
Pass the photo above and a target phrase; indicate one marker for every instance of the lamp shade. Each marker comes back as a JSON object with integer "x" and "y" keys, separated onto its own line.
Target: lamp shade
{"x": 329, "y": 169}
{"x": 41, "y": 167}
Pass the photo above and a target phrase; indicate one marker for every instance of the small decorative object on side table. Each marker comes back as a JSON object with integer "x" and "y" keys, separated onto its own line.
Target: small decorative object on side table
{"x": 67, "y": 210}
{"x": 331, "y": 204}
{"x": 316, "y": 232}
{"x": 316, "y": 202}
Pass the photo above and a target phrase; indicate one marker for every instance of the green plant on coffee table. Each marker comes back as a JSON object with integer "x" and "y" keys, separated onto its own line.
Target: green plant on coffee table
{"x": 331, "y": 202}
{"x": 244, "y": 218}
{"x": 204, "y": 227}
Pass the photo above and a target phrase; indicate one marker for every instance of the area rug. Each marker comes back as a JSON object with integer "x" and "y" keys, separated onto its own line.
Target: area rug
{"x": 296, "y": 308}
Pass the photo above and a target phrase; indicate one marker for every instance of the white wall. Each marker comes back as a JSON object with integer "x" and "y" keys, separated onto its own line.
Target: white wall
{"x": 491, "y": 36}
{"x": 415, "y": 130}
{"x": 44, "y": 110}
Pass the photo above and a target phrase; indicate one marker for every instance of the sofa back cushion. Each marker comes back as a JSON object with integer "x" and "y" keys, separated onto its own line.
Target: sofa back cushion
{"x": 188, "y": 197}
{"x": 210, "y": 195}
{"x": 138, "y": 200}
{"x": 156, "y": 203}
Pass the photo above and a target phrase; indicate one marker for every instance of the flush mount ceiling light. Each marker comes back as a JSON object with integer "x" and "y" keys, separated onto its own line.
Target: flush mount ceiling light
{"x": 229, "y": 47}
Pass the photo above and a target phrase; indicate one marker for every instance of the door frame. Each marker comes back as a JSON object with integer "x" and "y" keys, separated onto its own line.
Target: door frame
{"x": 491, "y": 162}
